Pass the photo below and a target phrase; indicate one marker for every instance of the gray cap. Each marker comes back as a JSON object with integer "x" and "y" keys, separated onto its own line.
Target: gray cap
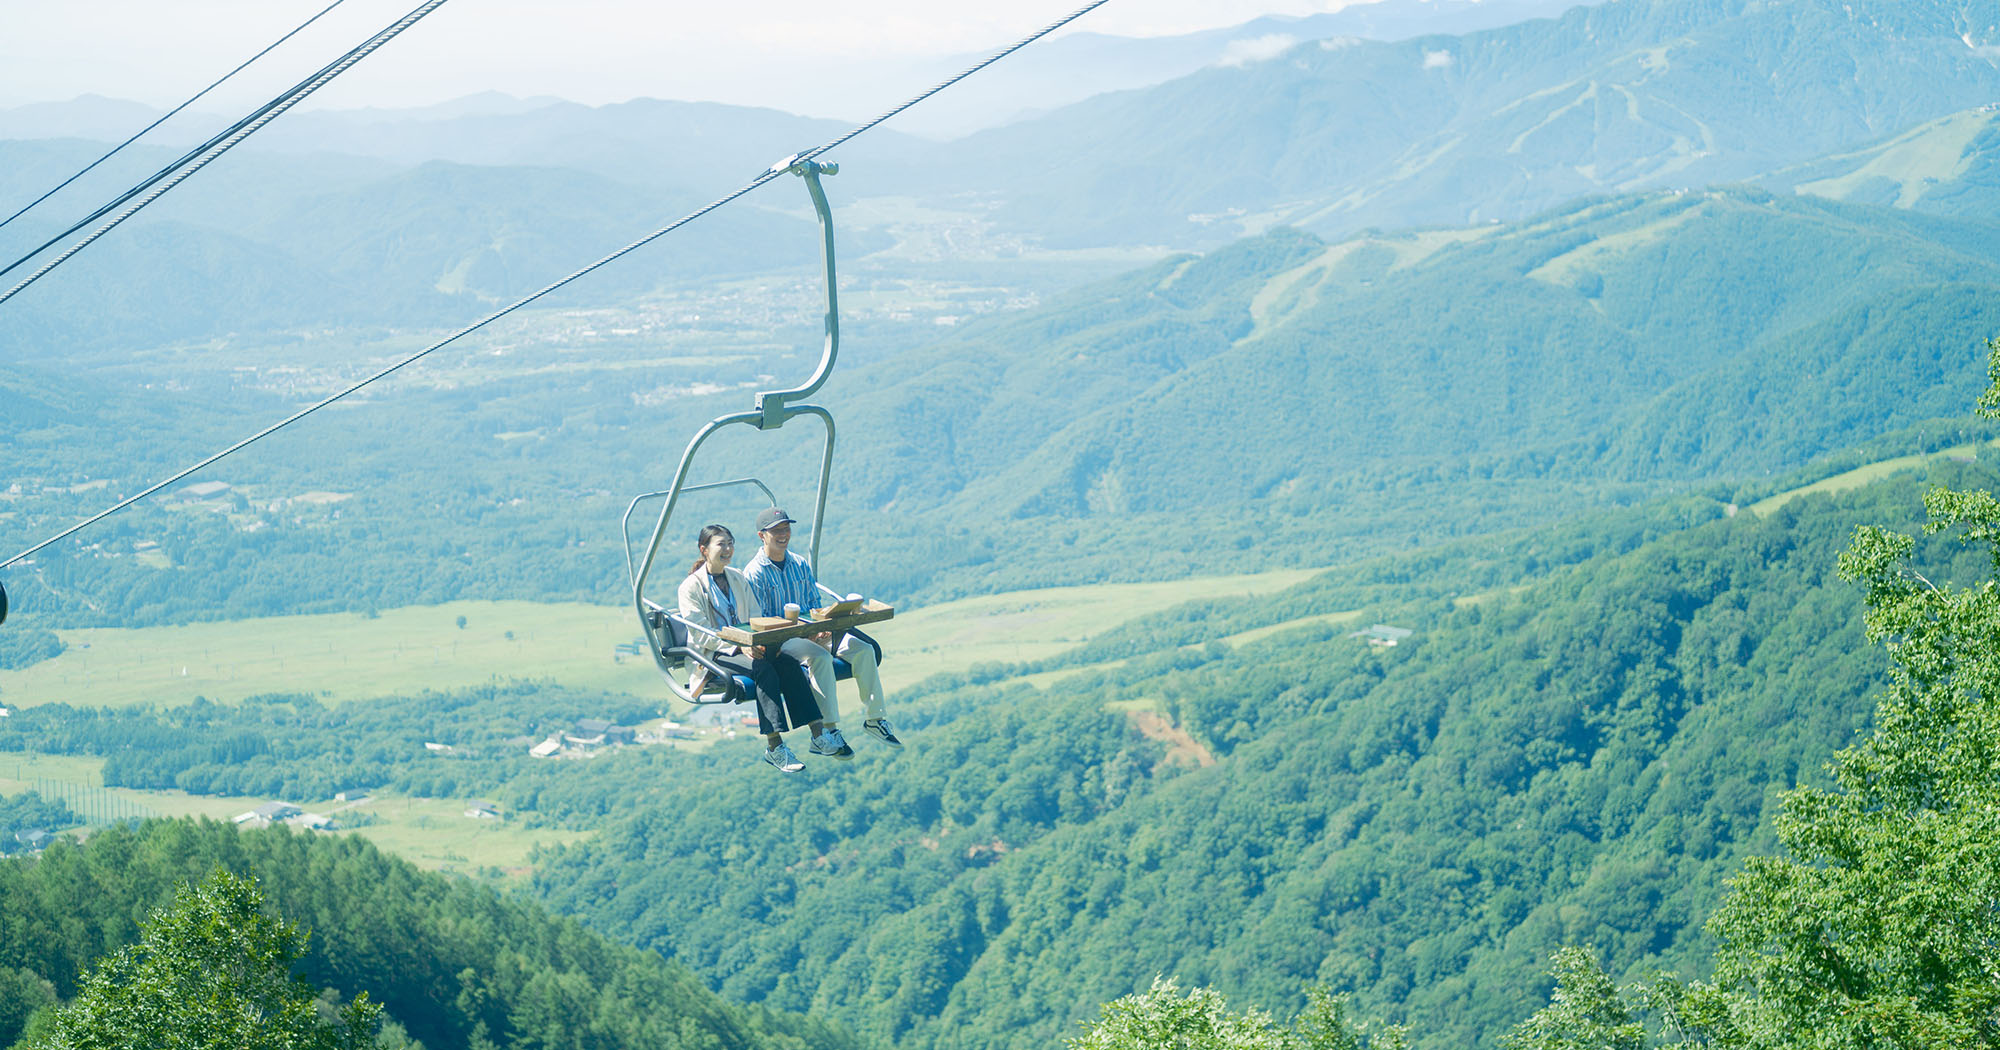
{"x": 771, "y": 519}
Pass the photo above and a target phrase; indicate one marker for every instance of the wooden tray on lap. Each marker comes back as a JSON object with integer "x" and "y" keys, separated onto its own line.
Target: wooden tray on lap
{"x": 776, "y": 630}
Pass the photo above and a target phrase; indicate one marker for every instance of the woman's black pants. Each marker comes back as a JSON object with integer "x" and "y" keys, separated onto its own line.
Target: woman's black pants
{"x": 784, "y": 697}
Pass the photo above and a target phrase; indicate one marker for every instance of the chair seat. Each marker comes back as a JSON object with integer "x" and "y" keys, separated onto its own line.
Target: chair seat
{"x": 676, "y": 650}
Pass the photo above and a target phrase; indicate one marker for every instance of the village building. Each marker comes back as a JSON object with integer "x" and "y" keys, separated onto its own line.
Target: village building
{"x": 205, "y": 490}
{"x": 268, "y": 814}
{"x": 1384, "y": 635}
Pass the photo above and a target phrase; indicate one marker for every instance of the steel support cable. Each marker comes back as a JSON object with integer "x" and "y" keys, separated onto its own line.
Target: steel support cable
{"x": 949, "y": 81}
{"x": 216, "y": 147}
{"x": 775, "y": 172}
{"x": 262, "y": 114}
{"x": 192, "y": 99}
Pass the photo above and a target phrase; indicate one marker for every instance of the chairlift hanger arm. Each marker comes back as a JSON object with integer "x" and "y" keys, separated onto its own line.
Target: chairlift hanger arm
{"x": 680, "y": 487}
{"x": 773, "y": 406}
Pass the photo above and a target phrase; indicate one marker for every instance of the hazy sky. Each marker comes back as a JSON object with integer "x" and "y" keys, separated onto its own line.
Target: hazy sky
{"x": 782, "y": 53}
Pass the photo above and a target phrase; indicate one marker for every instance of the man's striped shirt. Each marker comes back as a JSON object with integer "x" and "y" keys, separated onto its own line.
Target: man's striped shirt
{"x": 776, "y": 584}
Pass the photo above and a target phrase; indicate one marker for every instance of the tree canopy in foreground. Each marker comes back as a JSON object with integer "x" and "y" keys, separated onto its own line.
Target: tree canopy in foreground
{"x": 211, "y": 970}
{"x": 1877, "y": 926}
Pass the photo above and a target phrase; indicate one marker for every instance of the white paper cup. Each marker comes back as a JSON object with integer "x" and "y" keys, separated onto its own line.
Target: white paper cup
{"x": 791, "y": 610}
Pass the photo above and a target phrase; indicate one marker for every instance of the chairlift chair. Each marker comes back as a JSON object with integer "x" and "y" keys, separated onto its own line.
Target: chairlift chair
{"x": 669, "y": 635}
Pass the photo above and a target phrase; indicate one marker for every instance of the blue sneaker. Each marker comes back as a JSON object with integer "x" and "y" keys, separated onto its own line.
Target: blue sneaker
{"x": 879, "y": 729}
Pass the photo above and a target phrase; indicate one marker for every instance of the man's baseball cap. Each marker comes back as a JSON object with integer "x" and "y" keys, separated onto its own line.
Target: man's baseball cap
{"x": 771, "y": 519}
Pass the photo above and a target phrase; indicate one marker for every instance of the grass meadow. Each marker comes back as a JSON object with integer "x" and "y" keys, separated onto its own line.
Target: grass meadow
{"x": 347, "y": 657}
{"x": 1863, "y": 475}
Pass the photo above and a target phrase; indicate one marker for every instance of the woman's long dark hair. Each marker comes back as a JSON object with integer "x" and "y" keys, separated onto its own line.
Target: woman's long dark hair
{"x": 708, "y": 532}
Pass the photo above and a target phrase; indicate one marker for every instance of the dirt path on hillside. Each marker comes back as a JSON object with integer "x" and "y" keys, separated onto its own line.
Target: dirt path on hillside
{"x": 1181, "y": 747}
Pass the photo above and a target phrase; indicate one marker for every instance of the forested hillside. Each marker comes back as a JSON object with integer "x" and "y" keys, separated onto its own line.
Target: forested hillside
{"x": 453, "y": 963}
{"x": 1432, "y": 384}
{"x": 1583, "y": 738}
{"x": 1582, "y": 759}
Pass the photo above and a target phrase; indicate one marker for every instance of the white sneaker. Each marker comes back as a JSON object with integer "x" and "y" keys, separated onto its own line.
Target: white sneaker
{"x": 782, "y": 757}
{"x": 879, "y": 729}
{"x": 832, "y": 745}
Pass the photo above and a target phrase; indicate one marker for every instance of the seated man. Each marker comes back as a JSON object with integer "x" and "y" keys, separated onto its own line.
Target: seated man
{"x": 779, "y": 578}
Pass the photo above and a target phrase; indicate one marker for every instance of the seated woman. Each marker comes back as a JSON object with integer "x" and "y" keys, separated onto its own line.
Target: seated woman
{"x": 715, "y": 596}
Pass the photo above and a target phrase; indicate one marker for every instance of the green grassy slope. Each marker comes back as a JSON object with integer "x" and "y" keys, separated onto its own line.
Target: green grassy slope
{"x": 1949, "y": 166}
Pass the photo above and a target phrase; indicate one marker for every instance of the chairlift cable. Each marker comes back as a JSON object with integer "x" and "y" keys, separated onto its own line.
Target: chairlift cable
{"x": 775, "y": 171}
{"x": 949, "y": 81}
{"x": 213, "y": 148}
{"x": 169, "y": 115}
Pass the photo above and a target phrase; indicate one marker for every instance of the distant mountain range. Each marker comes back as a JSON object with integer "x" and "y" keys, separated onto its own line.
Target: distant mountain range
{"x": 1068, "y": 69}
{"x": 271, "y": 242}
{"x": 1497, "y": 124}
{"x": 1055, "y": 73}
{"x": 1334, "y": 136}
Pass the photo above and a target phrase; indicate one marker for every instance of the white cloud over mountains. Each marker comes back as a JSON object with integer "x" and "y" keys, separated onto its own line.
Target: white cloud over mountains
{"x": 1256, "y": 49}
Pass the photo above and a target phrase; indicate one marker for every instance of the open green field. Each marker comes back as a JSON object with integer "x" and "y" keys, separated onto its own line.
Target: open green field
{"x": 1873, "y": 472}
{"x": 77, "y": 779}
{"x": 342, "y": 656}
{"x": 435, "y": 833}
{"x": 347, "y": 656}
{"x": 1032, "y": 625}
{"x": 429, "y": 832}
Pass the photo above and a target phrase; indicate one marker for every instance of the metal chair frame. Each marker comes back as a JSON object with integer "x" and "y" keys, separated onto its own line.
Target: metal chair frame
{"x": 772, "y": 410}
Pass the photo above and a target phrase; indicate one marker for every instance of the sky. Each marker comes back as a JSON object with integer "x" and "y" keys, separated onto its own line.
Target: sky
{"x": 790, "y": 54}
